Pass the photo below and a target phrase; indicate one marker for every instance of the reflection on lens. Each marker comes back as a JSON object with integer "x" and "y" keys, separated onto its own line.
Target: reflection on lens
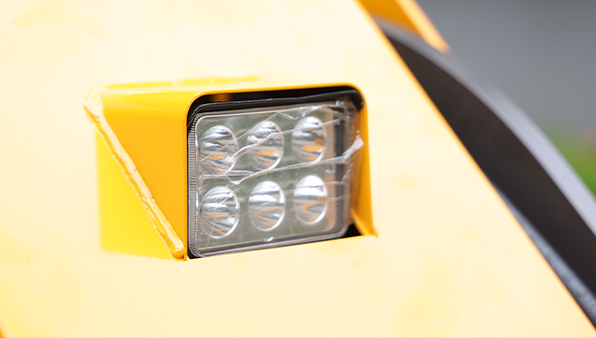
{"x": 310, "y": 199}
{"x": 268, "y": 145}
{"x": 308, "y": 140}
{"x": 216, "y": 150}
{"x": 219, "y": 212}
{"x": 266, "y": 205}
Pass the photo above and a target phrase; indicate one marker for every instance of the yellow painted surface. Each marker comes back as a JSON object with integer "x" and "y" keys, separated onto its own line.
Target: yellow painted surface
{"x": 449, "y": 259}
{"x": 120, "y": 230}
{"x": 408, "y": 14}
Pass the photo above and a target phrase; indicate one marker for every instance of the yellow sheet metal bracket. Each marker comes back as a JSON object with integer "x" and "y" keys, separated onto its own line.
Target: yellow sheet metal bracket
{"x": 145, "y": 128}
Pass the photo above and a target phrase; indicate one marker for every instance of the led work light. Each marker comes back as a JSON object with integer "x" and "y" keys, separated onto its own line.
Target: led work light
{"x": 271, "y": 172}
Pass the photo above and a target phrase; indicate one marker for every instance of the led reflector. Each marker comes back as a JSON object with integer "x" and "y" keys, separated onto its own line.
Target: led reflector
{"x": 216, "y": 150}
{"x": 310, "y": 199}
{"x": 268, "y": 176}
{"x": 219, "y": 212}
{"x": 266, "y": 205}
{"x": 308, "y": 140}
{"x": 266, "y": 145}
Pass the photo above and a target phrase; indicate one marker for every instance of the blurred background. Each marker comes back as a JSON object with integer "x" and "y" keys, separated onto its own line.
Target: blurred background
{"x": 542, "y": 54}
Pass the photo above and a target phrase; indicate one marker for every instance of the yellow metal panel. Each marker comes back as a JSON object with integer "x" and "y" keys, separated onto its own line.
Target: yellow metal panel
{"x": 408, "y": 15}
{"x": 449, "y": 259}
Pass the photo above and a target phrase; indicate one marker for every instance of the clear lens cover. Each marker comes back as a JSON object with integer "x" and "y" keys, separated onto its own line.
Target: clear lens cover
{"x": 273, "y": 176}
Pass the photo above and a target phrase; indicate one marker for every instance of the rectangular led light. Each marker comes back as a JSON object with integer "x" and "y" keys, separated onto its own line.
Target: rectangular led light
{"x": 269, "y": 173}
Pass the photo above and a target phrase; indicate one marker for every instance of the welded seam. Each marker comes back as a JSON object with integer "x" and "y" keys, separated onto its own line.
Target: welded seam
{"x": 94, "y": 108}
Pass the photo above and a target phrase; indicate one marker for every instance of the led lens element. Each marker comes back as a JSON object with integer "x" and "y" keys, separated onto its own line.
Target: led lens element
{"x": 266, "y": 205}
{"x": 267, "y": 145}
{"x": 273, "y": 175}
{"x": 308, "y": 140}
{"x": 216, "y": 150}
{"x": 219, "y": 212}
{"x": 310, "y": 199}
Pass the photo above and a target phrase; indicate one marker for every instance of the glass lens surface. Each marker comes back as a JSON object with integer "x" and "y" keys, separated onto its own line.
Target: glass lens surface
{"x": 266, "y": 205}
{"x": 267, "y": 145}
{"x": 263, "y": 177}
{"x": 216, "y": 150}
{"x": 219, "y": 212}
{"x": 308, "y": 140}
{"x": 310, "y": 199}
